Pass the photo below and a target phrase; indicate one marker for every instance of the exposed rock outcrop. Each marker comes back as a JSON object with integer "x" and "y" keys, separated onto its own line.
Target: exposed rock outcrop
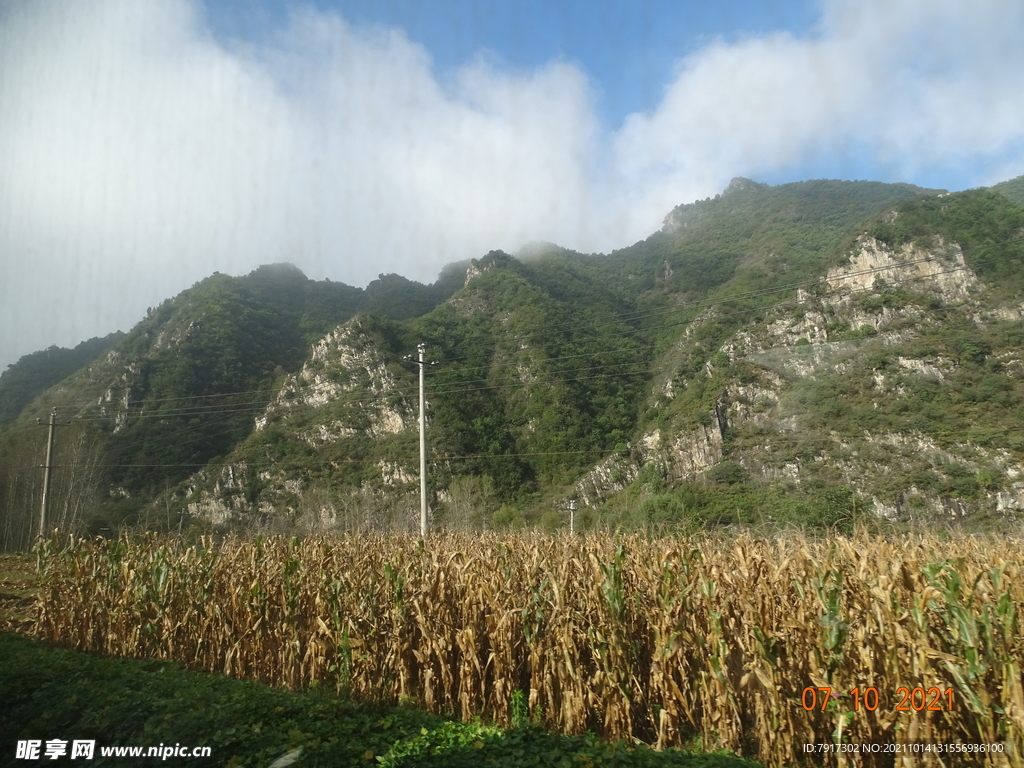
{"x": 939, "y": 268}
{"x": 346, "y": 360}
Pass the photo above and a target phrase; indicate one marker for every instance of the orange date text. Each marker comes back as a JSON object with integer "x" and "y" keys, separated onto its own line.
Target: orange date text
{"x": 916, "y": 699}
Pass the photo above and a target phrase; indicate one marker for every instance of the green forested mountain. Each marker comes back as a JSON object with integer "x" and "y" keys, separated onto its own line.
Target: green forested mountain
{"x": 178, "y": 390}
{"x": 754, "y": 235}
{"x": 800, "y": 354}
{"x": 1013, "y": 190}
{"x": 33, "y": 374}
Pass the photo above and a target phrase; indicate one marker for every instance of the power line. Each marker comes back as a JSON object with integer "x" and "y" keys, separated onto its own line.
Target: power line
{"x": 716, "y": 300}
{"x": 261, "y": 404}
{"x": 455, "y": 457}
{"x": 543, "y": 375}
{"x": 268, "y": 463}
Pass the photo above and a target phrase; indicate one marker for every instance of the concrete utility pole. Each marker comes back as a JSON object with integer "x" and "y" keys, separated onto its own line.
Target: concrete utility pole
{"x": 572, "y": 517}
{"x": 423, "y": 449}
{"x": 46, "y": 472}
{"x": 422, "y": 348}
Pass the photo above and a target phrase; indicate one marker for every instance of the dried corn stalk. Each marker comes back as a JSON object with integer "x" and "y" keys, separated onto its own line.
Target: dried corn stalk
{"x": 675, "y": 641}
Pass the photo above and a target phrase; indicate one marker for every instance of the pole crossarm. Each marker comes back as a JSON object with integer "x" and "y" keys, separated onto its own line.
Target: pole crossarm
{"x": 572, "y": 517}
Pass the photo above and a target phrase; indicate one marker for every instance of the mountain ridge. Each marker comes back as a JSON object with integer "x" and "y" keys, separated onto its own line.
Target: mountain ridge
{"x": 638, "y": 382}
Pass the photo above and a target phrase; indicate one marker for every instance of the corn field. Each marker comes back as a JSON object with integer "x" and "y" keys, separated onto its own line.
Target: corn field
{"x": 673, "y": 641}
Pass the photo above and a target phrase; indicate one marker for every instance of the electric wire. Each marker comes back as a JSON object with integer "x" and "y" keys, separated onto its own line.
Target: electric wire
{"x": 809, "y": 283}
{"x": 689, "y": 306}
{"x": 260, "y": 405}
{"x": 548, "y": 374}
{"x": 407, "y": 391}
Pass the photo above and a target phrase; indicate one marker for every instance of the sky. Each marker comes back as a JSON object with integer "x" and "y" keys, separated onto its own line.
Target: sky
{"x": 145, "y": 144}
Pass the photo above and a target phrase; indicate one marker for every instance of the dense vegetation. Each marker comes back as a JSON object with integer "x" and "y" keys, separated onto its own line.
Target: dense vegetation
{"x": 1013, "y": 190}
{"x": 545, "y": 367}
{"x": 553, "y": 383}
{"x": 53, "y": 693}
{"x": 33, "y": 374}
{"x": 710, "y": 640}
{"x": 180, "y": 389}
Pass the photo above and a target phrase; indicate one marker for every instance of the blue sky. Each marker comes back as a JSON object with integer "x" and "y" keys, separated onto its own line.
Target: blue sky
{"x": 147, "y": 143}
{"x": 629, "y": 50}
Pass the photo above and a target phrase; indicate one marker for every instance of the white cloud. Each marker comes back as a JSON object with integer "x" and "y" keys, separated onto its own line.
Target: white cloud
{"x": 919, "y": 83}
{"x": 140, "y": 154}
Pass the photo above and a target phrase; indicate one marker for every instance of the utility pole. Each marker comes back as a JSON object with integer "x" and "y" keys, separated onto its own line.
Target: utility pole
{"x": 422, "y": 348}
{"x": 46, "y": 471}
{"x": 572, "y": 517}
{"x": 423, "y": 449}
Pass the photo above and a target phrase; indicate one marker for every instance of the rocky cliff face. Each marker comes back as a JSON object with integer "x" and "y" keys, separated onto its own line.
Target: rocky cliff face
{"x": 347, "y": 367}
{"x": 939, "y": 269}
{"x": 859, "y": 322}
{"x": 343, "y": 396}
{"x": 117, "y": 397}
{"x": 742, "y": 351}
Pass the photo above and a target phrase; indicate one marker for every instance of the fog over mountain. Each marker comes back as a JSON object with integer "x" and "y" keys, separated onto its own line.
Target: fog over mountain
{"x": 144, "y": 147}
{"x": 808, "y": 354}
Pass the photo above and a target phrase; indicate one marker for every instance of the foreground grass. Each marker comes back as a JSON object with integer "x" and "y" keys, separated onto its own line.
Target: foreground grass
{"x": 51, "y": 693}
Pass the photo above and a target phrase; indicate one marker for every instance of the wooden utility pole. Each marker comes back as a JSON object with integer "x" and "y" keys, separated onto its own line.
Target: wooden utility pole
{"x": 46, "y": 473}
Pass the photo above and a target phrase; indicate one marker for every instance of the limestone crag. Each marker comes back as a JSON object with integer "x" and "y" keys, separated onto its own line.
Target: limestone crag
{"x": 940, "y": 268}
{"x": 347, "y": 360}
{"x": 824, "y": 333}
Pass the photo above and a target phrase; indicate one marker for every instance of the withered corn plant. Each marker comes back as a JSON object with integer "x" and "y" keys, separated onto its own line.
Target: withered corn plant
{"x": 751, "y": 645}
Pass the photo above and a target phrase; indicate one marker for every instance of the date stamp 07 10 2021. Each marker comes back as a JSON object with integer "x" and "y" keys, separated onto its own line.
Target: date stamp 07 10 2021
{"x": 905, "y": 700}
